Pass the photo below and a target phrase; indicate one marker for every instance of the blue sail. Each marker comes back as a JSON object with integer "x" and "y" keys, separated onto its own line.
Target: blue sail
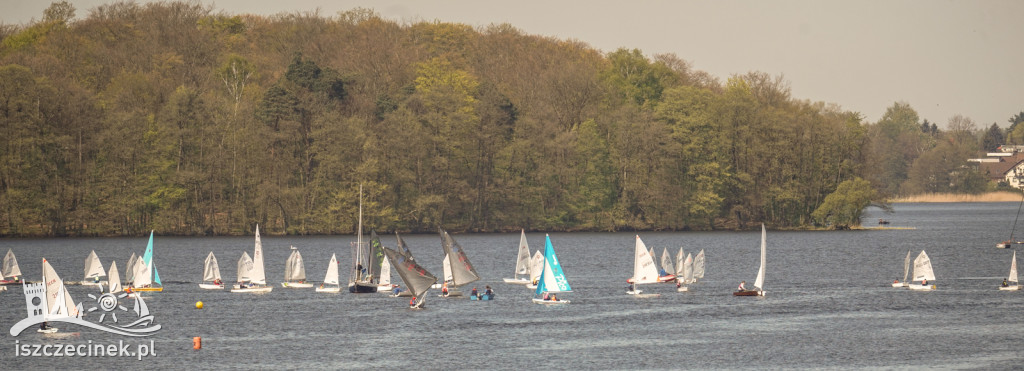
{"x": 147, "y": 258}
{"x": 552, "y": 279}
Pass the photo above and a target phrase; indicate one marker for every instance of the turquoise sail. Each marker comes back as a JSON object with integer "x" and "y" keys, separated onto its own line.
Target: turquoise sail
{"x": 147, "y": 258}
{"x": 552, "y": 279}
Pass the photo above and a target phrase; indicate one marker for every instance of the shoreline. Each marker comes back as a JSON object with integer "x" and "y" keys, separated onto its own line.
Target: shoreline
{"x": 1000, "y": 196}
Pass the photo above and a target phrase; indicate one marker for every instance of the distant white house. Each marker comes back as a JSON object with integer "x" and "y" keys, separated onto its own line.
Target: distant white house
{"x": 1003, "y": 166}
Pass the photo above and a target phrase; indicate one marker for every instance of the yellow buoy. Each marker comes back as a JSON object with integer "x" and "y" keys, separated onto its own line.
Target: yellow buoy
{"x": 199, "y": 305}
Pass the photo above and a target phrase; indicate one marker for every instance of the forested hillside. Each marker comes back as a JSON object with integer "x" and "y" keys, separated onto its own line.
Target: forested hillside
{"x": 179, "y": 118}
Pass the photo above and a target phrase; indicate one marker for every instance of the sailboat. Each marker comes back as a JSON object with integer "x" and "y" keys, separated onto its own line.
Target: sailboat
{"x": 10, "y": 273}
{"x": 146, "y": 274}
{"x": 922, "y": 273}
{"x": 211, "y": 274}
{"x": 129, "y": 270}
{"x": 331, "y": 278}
{"x": 257, "y": 278}
{"x": 687, "y": 276}
{"x": 906, "y": 272}
{"x": 1011, "y": 279}
{"x": 446, "y": 268}
{"x": 660, "y": 275}
{"x": 93, "y": 270}
{"x": 1010, "y": 242}
{"x": 759, "y": 281}
{"x": 667, "y": 270}
{"x": 295, "y": 271}
{"x": 698, "y": 266}
{"x": 521, "y": 276}
{"x": 59, "y": 305}
{"x": 113, "y": 279}
{"x": 403, "y": 249}
{"x": 380, "y": 268}
{"x": 552, "y": 278}
{"x": 415, "y": 277}
{"x": 644, "y": 270}
{"x": 536, "y": 266}
{"x": 384, "y": 284}
{"x": 361, "y": 279}
{"x": 463, "y": 272}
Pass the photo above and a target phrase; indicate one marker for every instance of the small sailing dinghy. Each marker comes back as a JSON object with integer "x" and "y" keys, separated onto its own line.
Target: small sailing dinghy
{"x": 211, "y": 274}
{"x": 416, "y": 279}
{"x": 759, "y": 281}
{"x": 403, "y": 249}
{"x": 146, "y": 274}
{"x": 906, "y": 272}
{"x": 93, "y": 270}
{"x": 10, "y": 273}
{"x": 331, "y": 278}
{"x": 129, "y": 270}
{"x": 361, "y": 280}
{"x": 698, "y": 267}
{"x": 522, "y": 272}
{"x": 922, "y": 273}
{"x": 113, "y": 279}
{"x": 644, "y": 270}
{"x": 295, "y": 271}
{"x": 463, "y": 272}
{"x": 552, "y": 279}
{"x": 380, "y": 266}
{"x": 687, "y": 277}
{"x": 536, "y": 266}
{"x": 1010, "y": 284}
{"x": 59, "y": 305}
{"x": 256, "y": 278}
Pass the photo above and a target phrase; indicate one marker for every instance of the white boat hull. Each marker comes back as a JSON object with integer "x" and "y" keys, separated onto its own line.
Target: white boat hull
{"x": 385, "y": 288}
{"x": 328, "y": 289}
{"x": 1009, "y": 288}
{"x": 531, "y": 285}
{"x": 451, "y": 294}
{"x": 682, "y": 289}
{"x": 550, "y": 302}
{"x": 50, "y": 330}
{"x": 210, "y": 286}
{"x": 254, "y": 290}
{"x": 517, "y": 281}
{"x": 296, "y": 285}
{"x": 640, "y": 294}
{"x": 919, "y": 287}
{"x": 899, "y": 284}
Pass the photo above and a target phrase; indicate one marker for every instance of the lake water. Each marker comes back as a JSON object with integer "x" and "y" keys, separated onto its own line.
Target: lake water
{"x": 829, "y": 303}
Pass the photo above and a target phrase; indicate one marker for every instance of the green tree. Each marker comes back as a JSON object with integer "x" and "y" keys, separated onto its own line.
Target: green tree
{"x": 992, "y": 139}
{"x": 844, "y": 207}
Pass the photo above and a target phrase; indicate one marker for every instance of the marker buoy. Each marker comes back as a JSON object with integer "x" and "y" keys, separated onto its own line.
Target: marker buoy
{"x": 197, "y": 343}
{"x": 199, "y": 305}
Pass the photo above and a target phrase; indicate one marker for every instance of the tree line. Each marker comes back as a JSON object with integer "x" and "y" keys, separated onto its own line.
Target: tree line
{"x": 175, "y": 117}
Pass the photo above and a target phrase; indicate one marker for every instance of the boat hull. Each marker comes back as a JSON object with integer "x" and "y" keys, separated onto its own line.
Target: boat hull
{"x": 748, "y": 293}
{"x": 550, "y": 302}
{"x": 482, "y": 297}
{"x": 451, "y": 294}
{"x": 148, "y": 289}
{"x": 362, "y": 288}
{"x": 329, "y": 289}
{"x": 517, "y": 281}
{"x": 1009, "y": 288}
{"x": 899, "y": 284}
{"x": 9, "y": 282}
{"x": 296, "y": 285}
{"x": 210, "y": 286}
{"x": 253, "y": 290}
{"x": 662, "y": 279}
{"x": 50, "y": 330}
{"x": 682, "y": 289}
{"x": 919, "y": 287}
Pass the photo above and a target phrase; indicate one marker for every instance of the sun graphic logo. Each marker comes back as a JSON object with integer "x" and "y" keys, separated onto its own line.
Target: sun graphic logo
{"x": 108, "y": 303}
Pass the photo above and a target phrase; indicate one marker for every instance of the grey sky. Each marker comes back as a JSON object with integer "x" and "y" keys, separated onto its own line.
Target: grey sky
{"x": 942, "y": 57}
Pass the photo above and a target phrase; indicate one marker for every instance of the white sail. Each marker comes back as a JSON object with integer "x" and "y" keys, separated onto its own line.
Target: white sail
{"x": 385, "y": 273}
{"x": 688, "y": 269}
{"x": 923, "y": 268}
{"x": 257, "y": 275}
{"x": 10, "y": 267}
{"x": 332, "y": 271}
{"x": 58, "y": 300}
{"x": 244, "y": 268}
{"x": 906, "y": 266}
{"x": 644, "y": 270}
{"x": 114, "y": 279}
{"x": 654, "y": 257}
{"x": 666, "y": 262}
{"x": 680, "y": 263}
{"x": 523, "y": 260}
{"x": 447, "y": 269}
{"x": 129, "y": 269}
{"x": 536, "y": 266}
{"x": 143, "y": 276}
{"x": 211, "y": 271}
{"x": 759, "y": 282}
{"x": 698, "y": 265}
{"x": 93, "y": 266}
{"x": 1012, "y": 277}
{"x": 294, "y": 269}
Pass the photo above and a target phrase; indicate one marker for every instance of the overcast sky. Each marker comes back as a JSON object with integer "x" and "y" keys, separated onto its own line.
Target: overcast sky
{"x": 942, "y": 57}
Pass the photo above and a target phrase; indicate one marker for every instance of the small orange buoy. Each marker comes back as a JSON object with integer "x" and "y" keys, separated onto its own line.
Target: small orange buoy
{"x": 197, "y": 343}
{"x": 199, "y": 305}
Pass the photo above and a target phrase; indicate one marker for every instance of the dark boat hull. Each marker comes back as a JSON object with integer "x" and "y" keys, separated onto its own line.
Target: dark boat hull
{"x": 362, "y": 288}
{"x": 745, "y": 293}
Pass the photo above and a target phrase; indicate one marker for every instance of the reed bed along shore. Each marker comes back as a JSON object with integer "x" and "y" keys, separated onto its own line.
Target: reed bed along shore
{"x": 1001, "y": 196}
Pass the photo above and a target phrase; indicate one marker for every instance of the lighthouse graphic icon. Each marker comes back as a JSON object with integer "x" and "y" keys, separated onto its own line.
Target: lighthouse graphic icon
{"x": 50, "y": 302}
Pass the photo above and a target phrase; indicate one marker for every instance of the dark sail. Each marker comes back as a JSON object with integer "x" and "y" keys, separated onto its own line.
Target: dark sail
{"x": 403, "y": 248}
{"x": 462, "y": 270}
{"x": 417, "y": 279}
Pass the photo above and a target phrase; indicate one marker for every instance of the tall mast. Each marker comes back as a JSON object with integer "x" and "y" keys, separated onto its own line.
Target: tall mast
{"x": 359, "y": 236}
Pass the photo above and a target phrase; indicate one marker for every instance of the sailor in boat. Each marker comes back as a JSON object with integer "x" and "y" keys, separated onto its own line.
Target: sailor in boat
{"x": 1005, "y": 284}
{"x": 554, "y": 297}
{"x": 218, "y": 282}
{"x": 546, "y": 296}
{"x": 44, "y": 326}
{"x": 396, "y": 290}
{"x": 924, "y": 282}
{"x": 321, "y": 285}
{"x": 474, "y": 293}
{"x": 742, "y": 286}
{"x": 359, "y": 270}
{"x": 632, "y": 287}
{"x": 412, "y": 302}
{"x": 444, "y": 289}
{"x": 678, "y": 283}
